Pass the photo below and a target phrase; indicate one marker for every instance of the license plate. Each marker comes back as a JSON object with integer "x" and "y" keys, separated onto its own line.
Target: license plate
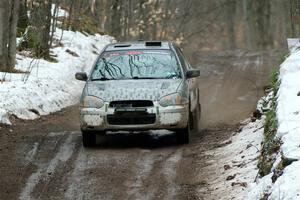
{"x": 130, "y": 110}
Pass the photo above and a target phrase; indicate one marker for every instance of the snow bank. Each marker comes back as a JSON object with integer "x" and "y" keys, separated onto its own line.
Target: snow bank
{"x": 287, "y": 186}
{"x": 49, "y": 86}
{"x": 236, "y": 163}
{"x": 288, "y": 110}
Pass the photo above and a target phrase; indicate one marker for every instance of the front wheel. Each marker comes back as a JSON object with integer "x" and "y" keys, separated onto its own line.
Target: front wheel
{"x": 88, "y": 139}
{"x": 183, "y": 135}
{"x": 196, "y": 115}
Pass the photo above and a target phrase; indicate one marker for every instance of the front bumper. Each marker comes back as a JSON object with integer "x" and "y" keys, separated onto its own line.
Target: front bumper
{"x": 156, "y": 117}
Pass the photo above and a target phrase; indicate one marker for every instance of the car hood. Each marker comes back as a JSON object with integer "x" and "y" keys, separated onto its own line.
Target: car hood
{"x": 114, "y": 90}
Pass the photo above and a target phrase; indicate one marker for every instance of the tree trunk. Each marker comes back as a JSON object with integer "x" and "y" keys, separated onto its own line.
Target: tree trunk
{"x": 4, "y": 6}
{"x": 23, "y": 18}
{"x": 258, "y": 22}
{"x": 230, "y": 15}
{"x": 155, "y": 23}
{"x": 13, "y": 22}
{"x": 115, "y": 28}
{"x": 39, "y": 32}
{"x": 8, "y": 22}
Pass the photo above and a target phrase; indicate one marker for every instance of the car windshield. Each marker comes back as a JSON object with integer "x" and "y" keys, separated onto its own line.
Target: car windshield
{"x": 137, "y": 64}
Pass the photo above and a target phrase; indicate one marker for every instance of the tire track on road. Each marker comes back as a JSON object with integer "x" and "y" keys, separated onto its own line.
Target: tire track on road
{"x": 44, "y": 173}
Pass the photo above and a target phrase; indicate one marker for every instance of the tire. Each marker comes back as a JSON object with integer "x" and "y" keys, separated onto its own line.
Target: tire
{"x": 88, "y": 139}
{"x": 183, "y": 135}
{"x": 197, "y": 118}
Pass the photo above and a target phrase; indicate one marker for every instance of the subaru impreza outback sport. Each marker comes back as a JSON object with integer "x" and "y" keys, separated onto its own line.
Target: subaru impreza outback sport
{"x": 140, "y": 86}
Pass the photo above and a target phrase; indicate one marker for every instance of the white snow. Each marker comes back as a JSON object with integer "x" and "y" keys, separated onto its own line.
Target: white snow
{"x": 237, "y": 159}
{"x": 50, "y": 86}
{"x": 262, "y": 187}
{"x": 60, "y": 11}
{"x": 287, "y": 186}
{"x": 288, "y": 111}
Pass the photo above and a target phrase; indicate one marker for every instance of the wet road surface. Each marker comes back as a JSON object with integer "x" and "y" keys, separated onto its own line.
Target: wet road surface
{"x": 50, "y": 163}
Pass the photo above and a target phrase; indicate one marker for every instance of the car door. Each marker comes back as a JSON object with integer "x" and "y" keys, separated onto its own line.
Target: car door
{"x": 192, "y": 82}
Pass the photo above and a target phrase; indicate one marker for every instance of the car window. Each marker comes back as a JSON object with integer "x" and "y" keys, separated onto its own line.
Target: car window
{"x": 137, "y": 64}
{"x": 182, "y": 59}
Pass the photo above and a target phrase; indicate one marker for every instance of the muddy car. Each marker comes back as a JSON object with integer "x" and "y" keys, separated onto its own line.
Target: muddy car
{"x": 140, "y": 86}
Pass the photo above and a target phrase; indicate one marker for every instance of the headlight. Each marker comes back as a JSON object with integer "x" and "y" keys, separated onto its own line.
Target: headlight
{"x": 92, "y": 102}
{"x": 173, "y": 99}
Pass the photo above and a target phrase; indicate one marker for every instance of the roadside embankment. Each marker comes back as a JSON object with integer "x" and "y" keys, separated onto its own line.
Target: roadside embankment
{"x": 279, "y": 162}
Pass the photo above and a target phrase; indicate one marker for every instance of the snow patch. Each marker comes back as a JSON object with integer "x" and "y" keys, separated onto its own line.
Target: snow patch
{"x": 60, "y": 12}
{"x": 288, "y": 109}
{"x": 236, "y": 163}
{"x": 4, "y": 117}
{"x": 50, "y": 86}
{"x": 287, "y": 186}
{"x": 31, "y": 154}
{"x": 261, "y": 188}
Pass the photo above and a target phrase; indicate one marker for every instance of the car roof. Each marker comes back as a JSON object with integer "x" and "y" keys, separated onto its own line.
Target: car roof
{"x": 139, "y": 45}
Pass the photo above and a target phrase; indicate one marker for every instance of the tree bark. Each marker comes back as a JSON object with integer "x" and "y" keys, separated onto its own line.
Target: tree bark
{"x": 115, "y": 28}
{"x": 39, "y": 32}
{"x": 13, "y": 22}
{"x": 258, "y": 21}
{"x": 8, "y": 22}
{"x": 23, "y": 18}
{"x": 230, "y": 16}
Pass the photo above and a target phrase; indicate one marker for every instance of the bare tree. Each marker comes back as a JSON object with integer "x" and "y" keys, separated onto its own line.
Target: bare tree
{"x": 230, "y": 14}
{"x": 39, "y": 30}
{"x": 23, "y": 18}
{"x": 115, "y": 17}
{"x": 258, "y": 22}
{"x": 8, "y": 22}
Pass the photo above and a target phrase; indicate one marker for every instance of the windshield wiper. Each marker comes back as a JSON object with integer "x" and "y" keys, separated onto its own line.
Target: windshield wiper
{"x": 137, "y": 77}
{"x": 172, "y": 76}
{"x": 102, "y": 79}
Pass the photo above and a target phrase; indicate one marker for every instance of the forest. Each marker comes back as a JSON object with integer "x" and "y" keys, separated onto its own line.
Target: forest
{"x": 193, "y": 24}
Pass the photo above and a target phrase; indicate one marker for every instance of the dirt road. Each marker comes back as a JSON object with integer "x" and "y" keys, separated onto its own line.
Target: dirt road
{"x": 232, "y": 83}
{"x": 44, "y": 159}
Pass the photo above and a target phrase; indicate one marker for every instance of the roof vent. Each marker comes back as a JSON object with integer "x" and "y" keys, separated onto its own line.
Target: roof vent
{"x": 153, "y": 44}
{"x": 122, "y": 45}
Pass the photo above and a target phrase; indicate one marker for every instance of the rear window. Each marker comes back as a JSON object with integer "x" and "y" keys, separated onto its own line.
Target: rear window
{"x": 137, "y": 64}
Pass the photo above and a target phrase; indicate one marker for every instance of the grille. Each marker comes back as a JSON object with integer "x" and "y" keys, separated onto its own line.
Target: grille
{"x": 131, "y": 118}
{"x": 131, "y": 104}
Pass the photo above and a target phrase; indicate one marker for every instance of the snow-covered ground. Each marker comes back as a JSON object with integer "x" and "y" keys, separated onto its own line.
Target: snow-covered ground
{"x": 235, "y": 164}
{"x": 49, "y": 86}
{"x": 287, "y": 186}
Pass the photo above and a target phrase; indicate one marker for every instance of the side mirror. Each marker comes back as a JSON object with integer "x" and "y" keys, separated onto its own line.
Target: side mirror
{"x": 192, "y": 73}
{"x": 82, "y": 76}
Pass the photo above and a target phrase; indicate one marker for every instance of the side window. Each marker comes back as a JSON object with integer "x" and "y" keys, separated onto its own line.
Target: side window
{"x": 185, "y": 60}
{"x": 181, "y": 58}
